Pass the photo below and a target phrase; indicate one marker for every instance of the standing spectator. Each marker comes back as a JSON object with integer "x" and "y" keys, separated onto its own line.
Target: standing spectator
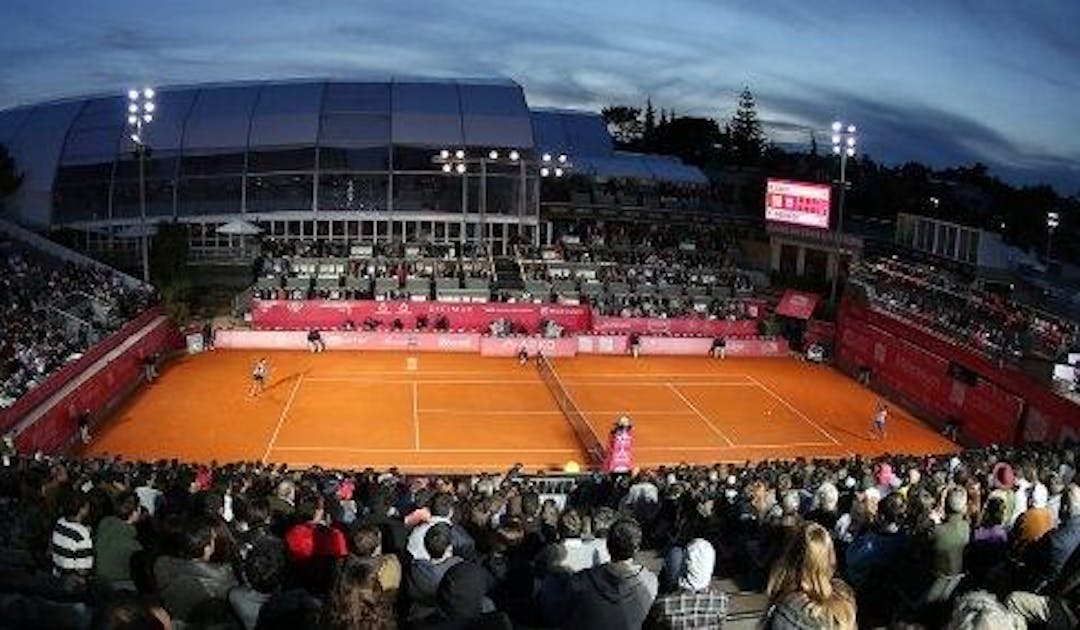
{"x": 315, "y": 340}
{"x": 442, "y": 511}
{"x": 694, "y": 603}
{"x": 634, "y": 341}
{"x": 115, "y": 542}
{"x": 84, "y": 426}
{"x": 208, "y": 335}
{"x": 948, "y": 541}
{"x": 617, "y": 594}
{"x": 422, "y": 579}
{"x": 72, "y": 547}
{"x": 803, "y": 589}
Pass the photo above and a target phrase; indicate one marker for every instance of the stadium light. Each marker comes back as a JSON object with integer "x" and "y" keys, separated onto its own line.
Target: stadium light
{"x": 546, "y": 157}
{"x": 493, "y": 155}
{"x": 1053, "y": 220}
{"x": 514, "y": 156}
{"x": 544, "y": 171}
{"x": 444, "y": 154}
{"x": 843, "y": 146}
{"x": 461, "y": 168}
{"x": 447, "y": 167}
{"x": 139, "y": 115}
{"x": 459, "y": 154}
{"x": 562, "y": 158}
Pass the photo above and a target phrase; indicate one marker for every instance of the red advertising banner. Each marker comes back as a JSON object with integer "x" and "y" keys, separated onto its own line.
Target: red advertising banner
{"x": 53, "y": 430}
{"x": 510, "y": 346}
{"x": 349, "y": 340}
{"x": 990, "y": 414}
{"x": 701, "y": 346}
{"x": 462, "y": 316}
{"x": 682, "y": 326}
{"x": 797, "y": 304}
{"x": 603, "y": 344}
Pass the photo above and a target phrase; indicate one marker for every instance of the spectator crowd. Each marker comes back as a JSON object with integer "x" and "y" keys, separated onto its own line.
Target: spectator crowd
{"x": 51, "y": 312}
{"x": 985, "y": 321}
{"x": 984, "y": 538}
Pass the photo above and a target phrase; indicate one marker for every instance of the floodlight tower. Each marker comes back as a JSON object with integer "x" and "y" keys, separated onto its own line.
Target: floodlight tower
{"x": 140, "y": 113}
{"x": 843, "y": 141}
{"x": 1053, "y": 220}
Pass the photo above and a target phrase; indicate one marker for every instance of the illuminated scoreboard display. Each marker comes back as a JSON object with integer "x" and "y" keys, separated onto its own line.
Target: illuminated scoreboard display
{"x": 798, "y": 203}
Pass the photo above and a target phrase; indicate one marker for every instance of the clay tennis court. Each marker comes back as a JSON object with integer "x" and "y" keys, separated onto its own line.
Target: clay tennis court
{"x": 443, "y": 412}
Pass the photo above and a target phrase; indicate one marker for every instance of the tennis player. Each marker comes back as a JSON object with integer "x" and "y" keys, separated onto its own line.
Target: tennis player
{"x": 880, "y": 417}
{"x": 258, "y": 377}
{"x": 523, "y": 354}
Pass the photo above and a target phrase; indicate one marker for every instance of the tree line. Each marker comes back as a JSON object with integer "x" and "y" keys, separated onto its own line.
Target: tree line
{"x": 966, "y": 194}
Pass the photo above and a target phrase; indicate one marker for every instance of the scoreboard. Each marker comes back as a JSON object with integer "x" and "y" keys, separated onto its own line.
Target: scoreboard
{"x": 799, "y": 203}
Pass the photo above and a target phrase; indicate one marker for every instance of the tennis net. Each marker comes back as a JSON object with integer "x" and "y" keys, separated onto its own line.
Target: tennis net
{"x": 582, "y": 430}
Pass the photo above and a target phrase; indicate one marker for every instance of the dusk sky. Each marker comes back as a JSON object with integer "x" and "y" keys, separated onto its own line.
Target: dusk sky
{"x": 944, "y": 82}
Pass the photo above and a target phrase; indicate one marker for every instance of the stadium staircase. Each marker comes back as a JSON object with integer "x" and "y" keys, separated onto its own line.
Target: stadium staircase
{"x": 508, "y": 275}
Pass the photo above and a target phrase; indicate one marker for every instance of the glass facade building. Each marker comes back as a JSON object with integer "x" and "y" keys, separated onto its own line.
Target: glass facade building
{"x": 355, "y": 155}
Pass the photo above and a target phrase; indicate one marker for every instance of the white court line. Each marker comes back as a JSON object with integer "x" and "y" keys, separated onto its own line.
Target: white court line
{"x": 728, "y": 448}
{"x": 708, "y": 422}
{"x": 796, "y": 411}
{"x": 386, "y": 381}
{"x": 426, "y": 450}
{"x": 483, "y": 373}
{"x": 466, "y": 412}
{"x": 416, "y": 415}
{"x": 503, "y": 381}
{"x": 281, "y": 420}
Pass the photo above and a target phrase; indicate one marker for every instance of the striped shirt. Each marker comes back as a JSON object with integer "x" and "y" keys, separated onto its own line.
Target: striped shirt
{"x": 72, "y": 548}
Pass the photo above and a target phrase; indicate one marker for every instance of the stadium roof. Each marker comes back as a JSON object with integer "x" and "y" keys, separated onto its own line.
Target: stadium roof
{"x": 242, "y": 117}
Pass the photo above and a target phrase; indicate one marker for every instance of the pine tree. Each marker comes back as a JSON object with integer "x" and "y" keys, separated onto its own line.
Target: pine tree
{"x": 747, "y": 136}
{"x": 650, "y": 119}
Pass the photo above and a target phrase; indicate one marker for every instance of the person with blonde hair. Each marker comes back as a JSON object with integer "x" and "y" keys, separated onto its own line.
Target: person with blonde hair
{"x": 803, "y": 589}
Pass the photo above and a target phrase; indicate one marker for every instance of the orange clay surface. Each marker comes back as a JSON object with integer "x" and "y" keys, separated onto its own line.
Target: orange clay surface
{"x": 442, "y": 412}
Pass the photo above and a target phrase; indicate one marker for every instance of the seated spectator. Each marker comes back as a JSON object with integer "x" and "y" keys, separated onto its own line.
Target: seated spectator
{"x": 314, "y": 544}
{"x": 803, "y": 589}
{"x": 572, "y": 553}
{"x": 367, "y": 548}
{"x": 193, "y": 589}
{"x": 72, "y": 545}
{"x": 617, "y": 594}
{"x": 992, "y": 529}
{"x": 115, "y": 542}
{"x": 462, "y": 601}
{"x": 1034, "y": 522}
{"x": 978, "y": 609}
{"x": 264, "y": 575}
{"x": 125, "y": 610}
{"x": 694, "y": 603}
{"x": 356, "y": 600}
